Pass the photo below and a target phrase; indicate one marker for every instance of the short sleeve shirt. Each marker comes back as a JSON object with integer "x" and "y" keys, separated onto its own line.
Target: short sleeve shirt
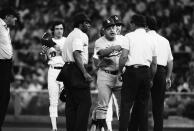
{"x": 163, "y": 48}
{"x": 6, "y": 49}
{"x": 57, "y": 60}
{"x": 141, "y": 48}
{"x": 76, "y": 40}
{"x": 110, "y": 62}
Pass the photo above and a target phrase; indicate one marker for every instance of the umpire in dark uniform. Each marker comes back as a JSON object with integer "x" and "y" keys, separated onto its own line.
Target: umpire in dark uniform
{"x": 8, "y": 19}
{"x": 162, "y": 77}
{"x": 138, "y": 57}
{"x": 75, "y": 77}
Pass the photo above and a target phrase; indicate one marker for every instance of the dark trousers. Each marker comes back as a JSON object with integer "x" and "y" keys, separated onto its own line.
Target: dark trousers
{"x": 135, "y": 89}
{"x": 5, "y": 79}
{"x": 157, "y": 96}
{"x": 134, "y": 119}
{"x": 78, "y": 100}
{"x": 77, "y": 109}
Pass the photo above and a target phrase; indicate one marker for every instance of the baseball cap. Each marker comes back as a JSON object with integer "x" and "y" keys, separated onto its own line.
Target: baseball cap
{"x": 107, "y": 23}
{"x": 80, "y": 18}
{"x": 117, "y": 20}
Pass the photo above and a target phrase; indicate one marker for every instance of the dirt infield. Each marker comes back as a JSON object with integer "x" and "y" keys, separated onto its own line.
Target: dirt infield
{"x": 42, "y": 123}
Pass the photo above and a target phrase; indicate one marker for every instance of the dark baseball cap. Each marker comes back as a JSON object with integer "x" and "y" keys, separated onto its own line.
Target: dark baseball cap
{"x": 80, "y": 18}
{"x": 108, "y": 22}
{"x": 117, "y": 20}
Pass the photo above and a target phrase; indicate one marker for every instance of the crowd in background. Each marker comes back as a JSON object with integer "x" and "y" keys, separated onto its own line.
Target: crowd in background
{"x": 175, "y": 17}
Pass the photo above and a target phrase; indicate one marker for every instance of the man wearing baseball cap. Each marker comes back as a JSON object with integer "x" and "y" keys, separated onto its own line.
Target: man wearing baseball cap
{"x": 107, "y": 50}
{"x": 114, "y": 99}
{"x": 75, "y": 77}
{"x": 118, "y": 22}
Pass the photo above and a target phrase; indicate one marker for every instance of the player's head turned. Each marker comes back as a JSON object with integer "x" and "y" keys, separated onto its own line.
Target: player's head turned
{"x": 82, "y": 21}
{"x": 151, "y": 23}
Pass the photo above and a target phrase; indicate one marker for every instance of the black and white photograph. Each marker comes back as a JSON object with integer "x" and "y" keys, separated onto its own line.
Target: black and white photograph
{"x": 97, "y": 65}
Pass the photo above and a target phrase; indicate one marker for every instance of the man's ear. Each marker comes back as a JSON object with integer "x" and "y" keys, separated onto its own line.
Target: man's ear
{"x": 80, "y": 26}
{"x": 7, "y": 17}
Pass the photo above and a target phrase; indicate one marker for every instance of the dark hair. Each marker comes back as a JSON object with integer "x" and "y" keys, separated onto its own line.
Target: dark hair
{"x": 138, "y": 20}
{"x": 8, "y": 11}
{"x": 101, "y": 32}
{"x": 80, "y": 18}
{"x": 151, "y": 22}
{"x": 55, "y": 23}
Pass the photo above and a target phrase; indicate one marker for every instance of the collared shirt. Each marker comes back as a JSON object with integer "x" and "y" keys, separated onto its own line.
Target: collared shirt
{"x": 141, "y": 48}
{"x": 57, "y": 60}
{"x": 6, "y": 49}
{"x": 164, "y": 53}
{"x": 76, "y": 40}
{"x": 110, "y": 62}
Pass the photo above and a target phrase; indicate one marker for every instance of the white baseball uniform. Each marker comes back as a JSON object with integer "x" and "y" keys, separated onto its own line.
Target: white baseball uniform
{"x": 106, "y": 81}
{"x": 55, "y": 63}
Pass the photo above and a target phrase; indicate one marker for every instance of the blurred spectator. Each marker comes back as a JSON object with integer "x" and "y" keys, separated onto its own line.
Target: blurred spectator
{"x": 175, "y": 104}
{"x": 190, "y": 76}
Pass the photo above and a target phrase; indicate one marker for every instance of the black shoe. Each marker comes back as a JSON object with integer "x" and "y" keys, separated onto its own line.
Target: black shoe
{"x": 98, "y": 125}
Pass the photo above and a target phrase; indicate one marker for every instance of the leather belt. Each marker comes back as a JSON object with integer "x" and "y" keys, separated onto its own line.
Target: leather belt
{"x": 161, "y": 66}
{"x": 111, "y": 72}
{"x": 69, "y": 63}
{"x": 56, "y": 67}
{"x": 5, "y": 60}
{"x": 59, "y": 68}
{"x": 72, "y": 63}
{"x": 138, "y": 66}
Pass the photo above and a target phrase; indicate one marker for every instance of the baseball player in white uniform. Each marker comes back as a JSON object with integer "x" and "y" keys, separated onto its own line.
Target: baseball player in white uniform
{"x": 113, "y": 100}
{"x": 55, "y": 63}
{"x": 107, "y": 48}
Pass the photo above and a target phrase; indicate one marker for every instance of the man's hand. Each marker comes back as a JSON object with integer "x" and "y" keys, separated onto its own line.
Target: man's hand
{"x": 120, "y": 76}
{"x": 168, "y": 83}
{"x": 43, "y": 53}
{"x": 44, "y": 49}
{"x": 88, "y": 77}
{"x": 117, "y": 47}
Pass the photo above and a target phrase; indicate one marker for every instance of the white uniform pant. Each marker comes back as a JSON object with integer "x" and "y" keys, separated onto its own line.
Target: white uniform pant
{"x": 109, "y": 115}
{"x": 53, "y": 90}
{"x": 105, "y": 83}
